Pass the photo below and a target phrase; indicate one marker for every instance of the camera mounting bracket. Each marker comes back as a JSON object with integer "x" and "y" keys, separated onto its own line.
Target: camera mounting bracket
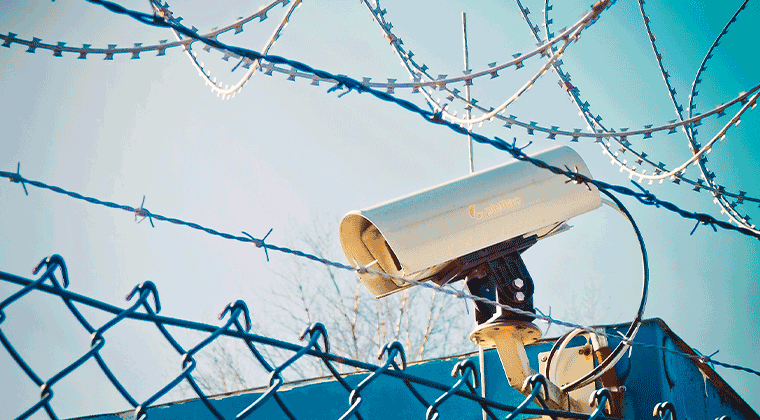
{"x": 505, "y": 279}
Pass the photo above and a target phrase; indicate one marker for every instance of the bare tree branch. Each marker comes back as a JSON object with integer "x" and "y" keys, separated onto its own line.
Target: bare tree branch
{"x": 358, "y": 324}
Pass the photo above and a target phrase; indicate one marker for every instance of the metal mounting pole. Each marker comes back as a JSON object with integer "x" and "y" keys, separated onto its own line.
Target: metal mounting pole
{"x": 467, "y": 88}
{"x": 481, "y": 356}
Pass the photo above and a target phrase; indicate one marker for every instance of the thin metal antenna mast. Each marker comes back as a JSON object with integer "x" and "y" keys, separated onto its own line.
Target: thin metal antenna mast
{"x": 481, "y": 355}
{"x": 467, "y": 87}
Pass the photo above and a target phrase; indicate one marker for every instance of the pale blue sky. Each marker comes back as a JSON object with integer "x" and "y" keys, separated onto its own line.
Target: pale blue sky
{"x": 283, "y": 152}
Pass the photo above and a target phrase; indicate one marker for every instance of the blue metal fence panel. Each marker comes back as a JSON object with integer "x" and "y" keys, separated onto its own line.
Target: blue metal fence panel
{"x": 651, "y": 375}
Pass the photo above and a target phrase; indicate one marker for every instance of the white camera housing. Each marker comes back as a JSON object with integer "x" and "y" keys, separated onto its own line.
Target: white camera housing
{"x": 436, "y": 234}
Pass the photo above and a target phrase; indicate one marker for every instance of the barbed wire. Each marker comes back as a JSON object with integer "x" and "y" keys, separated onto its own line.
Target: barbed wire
{"x": 260, "y": 243}
{"x": 719, "y": 192}
{"x": 697, "y": 357}
{"x": 237, "y": 326}
{"x": 98, "y": 342}
{"x": 141, "y": 211}
{"x": 597, "y": 129}
{"x": 60, "y": 48}
{"x": 144, "y": 213}
{"x": 546, "y": 49}
{"x": 392, "y": 84}
{"x": 644, "y": 197}
{"x": 348, "y": 83}
{"x": 692, "y": 132}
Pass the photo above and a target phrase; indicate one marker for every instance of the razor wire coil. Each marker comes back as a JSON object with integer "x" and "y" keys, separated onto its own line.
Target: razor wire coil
{"x": 598, "y": 131}
{"x": 602, "y": 134}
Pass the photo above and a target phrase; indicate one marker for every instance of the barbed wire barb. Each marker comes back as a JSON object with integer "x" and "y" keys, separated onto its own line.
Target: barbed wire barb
{"x": 17, "y": 178}
{"x": 259, "y": 243}
{"x": 144, "y": 213}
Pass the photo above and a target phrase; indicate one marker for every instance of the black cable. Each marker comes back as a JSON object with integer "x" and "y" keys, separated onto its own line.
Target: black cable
{"x": 625, "y": 343}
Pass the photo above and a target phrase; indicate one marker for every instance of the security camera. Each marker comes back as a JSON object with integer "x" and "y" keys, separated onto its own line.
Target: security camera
{"x": 474, "y": 229}
{"x": 464, "y": 228}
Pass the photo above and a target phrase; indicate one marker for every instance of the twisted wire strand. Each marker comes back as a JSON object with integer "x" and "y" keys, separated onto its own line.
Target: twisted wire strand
{"x": 261, "y": 244}
{"x": 698, "y": 358}
{"x": 147, "y": 289}
{"x": 644, "y": 197}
